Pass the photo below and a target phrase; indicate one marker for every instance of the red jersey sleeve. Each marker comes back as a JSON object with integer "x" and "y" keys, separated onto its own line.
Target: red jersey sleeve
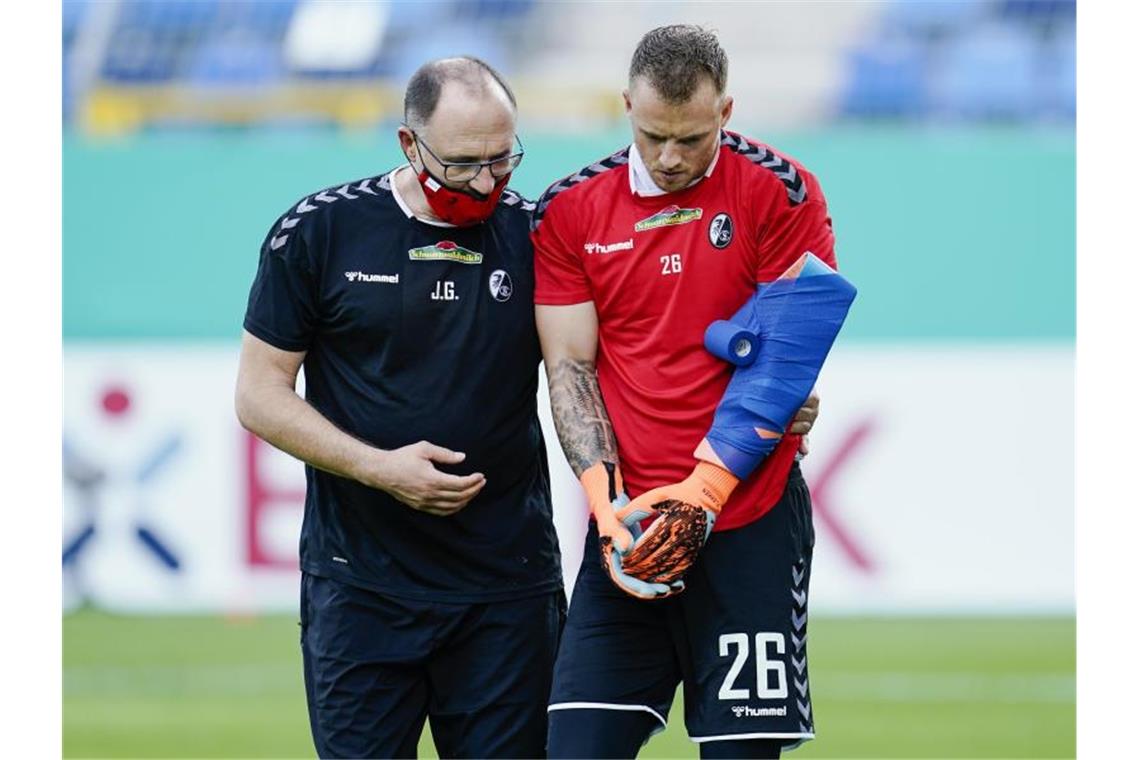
{"x": 559, "y": 279}
{"x": 793, "y": 229}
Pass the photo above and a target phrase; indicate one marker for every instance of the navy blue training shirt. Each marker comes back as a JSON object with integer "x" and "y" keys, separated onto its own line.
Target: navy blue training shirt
{"x": 416, "y": 332}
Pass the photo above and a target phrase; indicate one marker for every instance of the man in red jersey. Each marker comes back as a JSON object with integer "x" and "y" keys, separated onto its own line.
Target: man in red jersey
{"x": 636, "y": 255}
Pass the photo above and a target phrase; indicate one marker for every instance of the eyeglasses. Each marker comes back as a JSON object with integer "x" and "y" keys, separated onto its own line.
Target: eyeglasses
{"x": 465, "y": 172}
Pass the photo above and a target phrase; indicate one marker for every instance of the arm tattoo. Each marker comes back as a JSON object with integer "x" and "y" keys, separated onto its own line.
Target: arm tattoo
{"x": 580, "y": 416}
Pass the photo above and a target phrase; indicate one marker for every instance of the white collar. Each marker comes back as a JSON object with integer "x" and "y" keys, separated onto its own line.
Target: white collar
{"x": 403, "y": 205}
{"x": 641, "y": 183}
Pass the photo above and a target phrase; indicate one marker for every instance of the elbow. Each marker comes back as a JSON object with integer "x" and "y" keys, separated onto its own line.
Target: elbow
{"x": 244, "y": 409}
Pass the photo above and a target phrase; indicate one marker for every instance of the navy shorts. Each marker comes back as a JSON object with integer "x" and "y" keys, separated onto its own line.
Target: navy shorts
{"x": 736, "y": 637}
{"x": 377, "y": 666}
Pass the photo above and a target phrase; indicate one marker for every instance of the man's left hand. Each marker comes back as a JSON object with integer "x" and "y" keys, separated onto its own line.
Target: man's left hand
{"x": 805, "y": 418}
{"x": 684, "y": 515}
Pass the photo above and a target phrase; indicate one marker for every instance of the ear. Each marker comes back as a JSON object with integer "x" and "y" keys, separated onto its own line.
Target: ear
{"x": 726, "y": 111}
{"x": 407, "y": 143}
{"x": 625, "y": 97}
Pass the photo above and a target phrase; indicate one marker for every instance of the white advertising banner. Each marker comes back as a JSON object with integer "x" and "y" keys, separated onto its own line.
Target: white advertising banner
{"x": 941, "y": 477}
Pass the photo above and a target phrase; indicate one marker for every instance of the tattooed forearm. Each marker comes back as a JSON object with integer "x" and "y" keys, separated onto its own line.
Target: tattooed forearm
{"x": 580, "y": 416}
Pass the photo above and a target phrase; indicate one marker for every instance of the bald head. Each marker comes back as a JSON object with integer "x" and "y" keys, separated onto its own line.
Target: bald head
{"x": 473, "y": 75}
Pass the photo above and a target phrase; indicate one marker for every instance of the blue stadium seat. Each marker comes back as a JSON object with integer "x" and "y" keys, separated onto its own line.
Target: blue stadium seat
{"x": 235, "y": 58}
{"x": 136, "y": 53}
{"x": 403, "y": 57}
{"x": 990, "y": 73}
{"x": 160, "y": 40}
{"x": 885, "y": 79}
{"x": 934, "y": 18}
{"x": 152, "y": 37}
{"x": 74, "y": 13}
{"x": 67, "y": 92}
{"x": 168, "y": 15}
{"x": 1058, "y": 86}
{"x": 458, "y": 27}
{"x": 272, "y": 14}
{"x": 493, "y": 10}
{"x": 1042, "y": 12}
{"x": 454, "y": 31}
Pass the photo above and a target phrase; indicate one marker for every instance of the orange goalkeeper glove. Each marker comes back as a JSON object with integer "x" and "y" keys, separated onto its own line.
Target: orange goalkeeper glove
{"x": 619, "y": 527}
{"x": 685, "y": 515}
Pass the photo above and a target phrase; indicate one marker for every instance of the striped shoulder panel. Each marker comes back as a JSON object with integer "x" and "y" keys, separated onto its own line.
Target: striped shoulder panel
{"x": 611, "y": 162}
{"x": 511, "y": 198}
{"x": 781, "y": 167}
{"x": 349, "y": 191}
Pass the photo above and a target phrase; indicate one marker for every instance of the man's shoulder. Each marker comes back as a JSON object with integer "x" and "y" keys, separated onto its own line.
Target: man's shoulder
{"x": 514, "y": 207}
{"x": 773, "y": 170}
{"x": 336, "y": 197}
{"x": 329, "y": 202}
{"x": 577, "y": 183}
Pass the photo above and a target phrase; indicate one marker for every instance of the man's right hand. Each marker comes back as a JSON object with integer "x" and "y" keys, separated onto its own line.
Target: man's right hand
{"x": 618, "y": 529}
{"x": 409, "y": 475}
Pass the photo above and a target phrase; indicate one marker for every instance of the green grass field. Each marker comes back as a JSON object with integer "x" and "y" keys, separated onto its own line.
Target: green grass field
{"x": 208, "y": 687}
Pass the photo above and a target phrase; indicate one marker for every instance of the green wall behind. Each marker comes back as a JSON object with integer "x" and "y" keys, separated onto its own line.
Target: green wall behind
{"x": 948, "y": 234}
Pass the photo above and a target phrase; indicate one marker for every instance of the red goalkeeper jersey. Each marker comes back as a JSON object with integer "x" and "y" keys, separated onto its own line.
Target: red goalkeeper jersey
{"x": 659, "y": 269}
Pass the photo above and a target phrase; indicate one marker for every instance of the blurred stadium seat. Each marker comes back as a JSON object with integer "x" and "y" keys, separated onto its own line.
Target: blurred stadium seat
{"x": 235, "y": 58}
{"x": 73, "y": 17}
{"x": 990, "y": 73}
{"x": 934, "y": 18}
{"x": 1045, "y": 14}
{"x": 965, "y": 61}
{"x": 1059, "y": 78}
{"x": 887, "y": 79}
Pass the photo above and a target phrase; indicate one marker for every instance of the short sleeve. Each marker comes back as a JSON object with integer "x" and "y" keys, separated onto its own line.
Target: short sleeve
{"x": 282, "y": 301}
{"x": 793, "y": 230}
{"x": 559, "y": 279}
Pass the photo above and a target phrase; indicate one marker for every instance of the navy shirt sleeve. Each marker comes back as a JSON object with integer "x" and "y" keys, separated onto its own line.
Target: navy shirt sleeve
{"x": 282, "y": 308}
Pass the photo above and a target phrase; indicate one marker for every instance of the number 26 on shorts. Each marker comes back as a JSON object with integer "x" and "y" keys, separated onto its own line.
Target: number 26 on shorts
{"x": 765, "y": 668}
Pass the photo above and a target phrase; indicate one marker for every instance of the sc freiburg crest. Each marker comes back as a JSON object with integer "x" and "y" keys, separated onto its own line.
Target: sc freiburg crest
{"x": 720, "y": 230}
{"x": 500, "y": 285}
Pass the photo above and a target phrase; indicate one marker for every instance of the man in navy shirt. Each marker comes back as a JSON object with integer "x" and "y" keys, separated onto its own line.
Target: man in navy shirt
{"x": 431, "y": 584}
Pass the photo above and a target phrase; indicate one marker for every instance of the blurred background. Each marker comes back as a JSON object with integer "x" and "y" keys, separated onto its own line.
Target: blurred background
{"x": 942, "y": 464}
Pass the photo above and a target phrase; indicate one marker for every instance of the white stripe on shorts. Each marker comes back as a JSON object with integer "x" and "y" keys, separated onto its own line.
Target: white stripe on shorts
{"x": 605, "y": 706}
{"x": 732, "y": 737}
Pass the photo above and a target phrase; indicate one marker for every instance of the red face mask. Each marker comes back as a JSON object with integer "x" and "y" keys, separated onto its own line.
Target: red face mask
{"x": 457, "y": 207}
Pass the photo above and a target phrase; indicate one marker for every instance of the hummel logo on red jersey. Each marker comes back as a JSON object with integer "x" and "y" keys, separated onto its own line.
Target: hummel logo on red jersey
{"x": 392, "y": 279}
{"x": 625, "y": 245}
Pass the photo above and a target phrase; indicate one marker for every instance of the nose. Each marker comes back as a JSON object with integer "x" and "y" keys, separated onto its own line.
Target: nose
{"x": 670, "y": 158}
{"x": 483, "y": 182}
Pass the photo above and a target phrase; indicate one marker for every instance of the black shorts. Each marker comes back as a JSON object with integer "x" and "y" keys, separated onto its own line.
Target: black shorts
{"x": 376, "y": 666}
{"x": 736, "y": 637}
